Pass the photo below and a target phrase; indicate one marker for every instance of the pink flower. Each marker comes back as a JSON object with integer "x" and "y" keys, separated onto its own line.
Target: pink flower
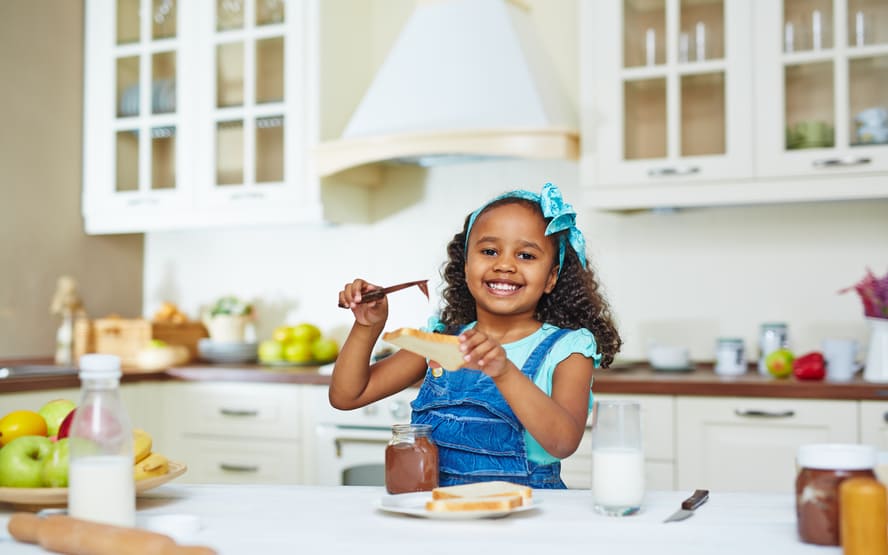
{"x": 873, "y": 292}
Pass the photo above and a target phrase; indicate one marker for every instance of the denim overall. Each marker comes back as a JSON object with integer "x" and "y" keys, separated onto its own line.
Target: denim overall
{"x": 478, "y": 436}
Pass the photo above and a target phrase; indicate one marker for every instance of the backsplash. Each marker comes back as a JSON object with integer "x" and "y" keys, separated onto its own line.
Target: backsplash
{"x": 685, "y": 278}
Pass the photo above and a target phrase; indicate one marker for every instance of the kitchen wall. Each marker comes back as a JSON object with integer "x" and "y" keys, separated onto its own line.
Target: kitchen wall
{"x": 41, "y": 231}
{"x": 685, "y": 277}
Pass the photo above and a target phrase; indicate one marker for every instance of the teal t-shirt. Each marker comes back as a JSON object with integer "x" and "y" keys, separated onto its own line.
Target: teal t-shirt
{"x": 576, "y": 341}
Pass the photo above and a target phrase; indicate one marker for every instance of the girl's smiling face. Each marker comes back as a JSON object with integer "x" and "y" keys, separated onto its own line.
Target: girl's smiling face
{"x": 510, "y": 260}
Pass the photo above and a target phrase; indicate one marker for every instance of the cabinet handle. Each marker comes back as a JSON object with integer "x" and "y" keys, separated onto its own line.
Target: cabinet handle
{"x": 840, "y": 162}
{"x": 247, "y": 195}
{"x": 885, "y": 417}
{"x": 238, "y": 412}
{"x": 141, "y": 201}
{"x": 238, "y": 468}
{"x": 668, "y": 172}
{"x": 754, "y": 413}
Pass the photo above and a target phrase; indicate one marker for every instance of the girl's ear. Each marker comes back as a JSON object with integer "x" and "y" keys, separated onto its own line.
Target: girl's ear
{"x": 552, "y": 279}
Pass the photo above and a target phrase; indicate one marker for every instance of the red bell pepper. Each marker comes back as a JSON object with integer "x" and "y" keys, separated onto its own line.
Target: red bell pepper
{"x": 809, "y": 367}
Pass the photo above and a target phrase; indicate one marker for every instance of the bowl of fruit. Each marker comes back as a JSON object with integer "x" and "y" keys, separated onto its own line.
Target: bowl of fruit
{"x": 34, "y": 456}
{"x": 297, "y": 345}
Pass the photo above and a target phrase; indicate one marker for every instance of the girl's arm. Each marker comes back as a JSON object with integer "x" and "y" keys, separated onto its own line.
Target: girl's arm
{"x": 355, "y": 382}
{"x": 556, "y": 422}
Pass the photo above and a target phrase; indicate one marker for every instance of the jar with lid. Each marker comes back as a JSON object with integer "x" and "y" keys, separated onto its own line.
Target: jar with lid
{"x": 822, "y": 468}
{"x": 101, "y": 486}
{"x": 411, "y": 459}
{"x": 730, "y": 357}
{"x": 773, "y": 336}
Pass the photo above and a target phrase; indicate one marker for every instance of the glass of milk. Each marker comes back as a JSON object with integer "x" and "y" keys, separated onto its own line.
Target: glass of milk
{"x": 617, "y": 457}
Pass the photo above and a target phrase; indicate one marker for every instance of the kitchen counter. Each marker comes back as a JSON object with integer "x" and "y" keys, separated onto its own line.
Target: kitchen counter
{"x": 637, "y": 378}
{"x": 306, "y": 519}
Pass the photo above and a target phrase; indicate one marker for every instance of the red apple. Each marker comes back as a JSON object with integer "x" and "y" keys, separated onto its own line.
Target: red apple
{"x": 65, "y": 426}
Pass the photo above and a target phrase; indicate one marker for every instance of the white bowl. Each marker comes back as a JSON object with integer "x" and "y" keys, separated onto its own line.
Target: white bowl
{"x": 667, "y": 357}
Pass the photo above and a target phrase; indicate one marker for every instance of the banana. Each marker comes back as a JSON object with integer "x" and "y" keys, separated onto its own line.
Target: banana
{"x": 154, "y": 464}
{"x": 141, "y": 445}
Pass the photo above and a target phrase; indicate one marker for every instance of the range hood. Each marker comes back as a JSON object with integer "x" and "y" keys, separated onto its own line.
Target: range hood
{"x": 465, "y": 80}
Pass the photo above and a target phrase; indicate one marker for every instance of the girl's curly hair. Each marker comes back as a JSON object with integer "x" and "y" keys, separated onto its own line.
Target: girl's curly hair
{"x": 575, "y": 302}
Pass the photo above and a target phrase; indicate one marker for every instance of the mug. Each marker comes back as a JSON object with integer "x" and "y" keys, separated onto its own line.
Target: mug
{"x": 840, "y": 355}
{"x": 617, "y": 457}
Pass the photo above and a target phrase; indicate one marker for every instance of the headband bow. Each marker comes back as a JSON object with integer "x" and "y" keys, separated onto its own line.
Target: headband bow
{"x": 563, "y": 217}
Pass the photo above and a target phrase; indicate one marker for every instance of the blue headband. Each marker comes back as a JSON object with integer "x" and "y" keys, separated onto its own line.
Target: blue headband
{"x": 553, "y": 206}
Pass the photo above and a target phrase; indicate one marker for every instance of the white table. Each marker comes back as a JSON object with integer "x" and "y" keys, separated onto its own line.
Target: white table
{"x": 313, "y": 520}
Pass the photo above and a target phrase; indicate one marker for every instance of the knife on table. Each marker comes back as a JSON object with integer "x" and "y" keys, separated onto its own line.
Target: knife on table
{"x": 688, "y": 505}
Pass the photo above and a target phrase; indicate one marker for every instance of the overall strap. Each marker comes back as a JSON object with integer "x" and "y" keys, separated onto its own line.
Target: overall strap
{"x": 532, "y": 364}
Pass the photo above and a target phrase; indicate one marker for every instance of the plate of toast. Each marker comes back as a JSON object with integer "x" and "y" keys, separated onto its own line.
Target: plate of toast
{"x": 463, "y": 502}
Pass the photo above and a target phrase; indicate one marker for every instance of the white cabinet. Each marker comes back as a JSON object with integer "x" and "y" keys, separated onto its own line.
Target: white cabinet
{"x": 698, "y": 102}
{"x": 659, "y": 451}
{"x": 197, "y": 113}
{"x": 234, "y": 432}
{"x": 874, "y": 424}
{"x": 821, "y": 77}
{"x": 750, "y": 444}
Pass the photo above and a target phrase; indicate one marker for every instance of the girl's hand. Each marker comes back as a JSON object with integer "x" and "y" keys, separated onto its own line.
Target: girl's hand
{"x": 366, "y": 314}
{"x": 483, "y": 352}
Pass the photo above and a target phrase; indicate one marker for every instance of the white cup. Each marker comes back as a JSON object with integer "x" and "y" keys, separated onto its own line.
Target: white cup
{"x": 841, "y": 359}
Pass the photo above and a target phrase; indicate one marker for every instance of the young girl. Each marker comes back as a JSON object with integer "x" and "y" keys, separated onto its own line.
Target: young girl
{"x": 532, "y": 326}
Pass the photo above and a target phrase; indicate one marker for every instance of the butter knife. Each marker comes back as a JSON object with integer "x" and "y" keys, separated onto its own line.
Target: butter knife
{"x": 689, "y": 505}
{"x": 376, "y": 294}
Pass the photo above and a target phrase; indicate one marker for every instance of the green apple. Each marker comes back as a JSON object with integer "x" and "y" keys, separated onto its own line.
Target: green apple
{"x": 55, "y": 467}
{"x": 297, "y": 351}
{"x": 779, "y": 363}
{"x": 305, "y": 333}
{"x": 270, "y": 351}
{"x": 21, "y": 461}
{"x": 54, "y": 412}
{"x": 324, "y": 349}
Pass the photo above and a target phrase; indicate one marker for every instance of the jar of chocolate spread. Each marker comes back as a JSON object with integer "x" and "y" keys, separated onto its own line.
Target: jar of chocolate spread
{"x": 822, "y": 467}
{"x": 411, "y": 459}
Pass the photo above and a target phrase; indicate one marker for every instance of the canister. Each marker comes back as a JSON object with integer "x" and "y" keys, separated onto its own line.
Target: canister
{"x": 773, "y": 336}
{"x": 730, "y": 356}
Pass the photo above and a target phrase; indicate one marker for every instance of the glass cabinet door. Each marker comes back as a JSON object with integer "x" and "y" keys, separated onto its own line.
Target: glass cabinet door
{"x": 680, "y": 79}
{"x": 831, "y": 79}
{"x": 249, "y": 116}
{"x": 146, "y": 123}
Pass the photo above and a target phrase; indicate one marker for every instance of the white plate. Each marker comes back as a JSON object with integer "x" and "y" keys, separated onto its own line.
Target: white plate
{"x": 413, "y": 504}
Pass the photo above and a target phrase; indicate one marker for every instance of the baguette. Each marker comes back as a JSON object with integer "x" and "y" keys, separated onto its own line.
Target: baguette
{"x": 496, "y": 488}
{"x": 493, "y": 503}
{"x": 441, "y": 348}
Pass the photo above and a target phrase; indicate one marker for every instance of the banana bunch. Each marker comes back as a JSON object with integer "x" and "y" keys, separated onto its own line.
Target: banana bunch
{"x": 147, "y": 463}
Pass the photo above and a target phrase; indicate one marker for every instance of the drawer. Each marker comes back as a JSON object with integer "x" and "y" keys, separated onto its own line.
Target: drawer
{"x": 227, "y": 409}
{"x": 224, "y": 461}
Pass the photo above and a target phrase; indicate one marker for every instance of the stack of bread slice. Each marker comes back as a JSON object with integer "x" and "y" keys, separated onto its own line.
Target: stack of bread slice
{"x": 480, "y": 496}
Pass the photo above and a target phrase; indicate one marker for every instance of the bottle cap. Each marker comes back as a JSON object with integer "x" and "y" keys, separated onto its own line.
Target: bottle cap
{"x": 98, "y": 366}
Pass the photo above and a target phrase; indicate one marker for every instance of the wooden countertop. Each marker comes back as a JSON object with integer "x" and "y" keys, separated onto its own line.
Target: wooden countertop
{"x": 636, "y": 378}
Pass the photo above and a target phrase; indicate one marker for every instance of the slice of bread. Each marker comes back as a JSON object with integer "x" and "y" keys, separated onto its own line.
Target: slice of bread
{"x": 497, "y": 488}
{"x": 494, "y": 503}
{"x": 441, "y": 348}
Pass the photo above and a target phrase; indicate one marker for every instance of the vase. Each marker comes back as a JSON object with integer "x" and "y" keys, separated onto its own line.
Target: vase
{"x": 226, "y": 328}
{"x": 877, "y": 356}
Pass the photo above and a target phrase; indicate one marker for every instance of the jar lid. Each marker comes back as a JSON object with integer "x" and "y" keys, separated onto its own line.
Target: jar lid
{"x": 99, "y": 366}
{"x": 837, "y": 456}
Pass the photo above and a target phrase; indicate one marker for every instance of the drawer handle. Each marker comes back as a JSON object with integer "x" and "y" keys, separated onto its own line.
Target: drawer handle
{"x": 238, "y": 468}
{"x": 885, "y": 417}
{"x": 754, "y": 413}
{"x": 238, "y": 412}
{"x": 667, "y": 172}
{"x": 840, "y": 162}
